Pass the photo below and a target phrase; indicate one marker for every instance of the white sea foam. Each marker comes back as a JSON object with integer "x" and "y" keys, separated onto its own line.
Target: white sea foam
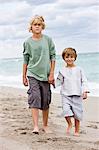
{"x": 11, "y": 81}
{"x": 16, "y": 81}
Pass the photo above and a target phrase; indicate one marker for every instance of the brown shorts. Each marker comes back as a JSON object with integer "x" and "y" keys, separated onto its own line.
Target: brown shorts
{"x": 39, "y": 94}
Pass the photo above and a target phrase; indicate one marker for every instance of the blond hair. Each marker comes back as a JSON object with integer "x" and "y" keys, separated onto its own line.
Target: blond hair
{"x": 39, "y": 19}
{"x": 69, "y": 52}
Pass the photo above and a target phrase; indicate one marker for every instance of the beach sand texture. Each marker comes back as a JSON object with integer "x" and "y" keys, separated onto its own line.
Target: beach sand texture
{"x": 16, "y": 125}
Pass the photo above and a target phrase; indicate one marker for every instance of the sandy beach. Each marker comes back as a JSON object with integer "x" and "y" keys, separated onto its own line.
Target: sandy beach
{"x": 16, "y": 124}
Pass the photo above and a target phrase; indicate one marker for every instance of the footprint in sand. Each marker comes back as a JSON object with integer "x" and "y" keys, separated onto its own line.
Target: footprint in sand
{"x": 93, "y": 126}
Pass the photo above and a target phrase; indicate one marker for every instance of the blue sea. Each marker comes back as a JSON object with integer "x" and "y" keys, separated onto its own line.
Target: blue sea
{"x": 11, "y": 71}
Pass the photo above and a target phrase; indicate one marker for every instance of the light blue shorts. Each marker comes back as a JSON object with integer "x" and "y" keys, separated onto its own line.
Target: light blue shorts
{"x": 72, "y": 106}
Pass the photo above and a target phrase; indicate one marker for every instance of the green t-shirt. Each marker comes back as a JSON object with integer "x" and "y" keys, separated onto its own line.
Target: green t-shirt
{"x": 38, "y": 55}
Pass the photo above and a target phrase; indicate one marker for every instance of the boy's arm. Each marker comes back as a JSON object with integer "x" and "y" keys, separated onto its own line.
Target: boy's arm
{"x": 52, "y": 54}
{"x": 85, "y": 88}
{"x": 51, "y": 75}
{"x": 25, "y": 80}
{"x": 26, "y": 55}
{"x": 59, "y": 80}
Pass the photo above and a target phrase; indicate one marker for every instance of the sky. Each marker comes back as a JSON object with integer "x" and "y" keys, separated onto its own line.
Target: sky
{"x": 70, "y": 23}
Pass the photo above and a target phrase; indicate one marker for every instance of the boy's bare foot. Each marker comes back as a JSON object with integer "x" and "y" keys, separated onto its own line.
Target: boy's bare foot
{"x": 68, "y": 130}
{"x": 76, "y": 134}
{"x": 47, "y": 130}
{"x": 35, "y": 131}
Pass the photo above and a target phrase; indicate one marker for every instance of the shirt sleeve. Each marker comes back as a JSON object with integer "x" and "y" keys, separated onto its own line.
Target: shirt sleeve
{"x": 26, "y": 53}
{"x": 59, "y": 80}
{"x": 52, "y": 50}
{"x": 84, "y": 82}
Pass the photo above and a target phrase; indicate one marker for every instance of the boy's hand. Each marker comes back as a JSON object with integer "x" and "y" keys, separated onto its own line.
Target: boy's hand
{"x": 53, "y": 83}
{"x": 51, "y": 79}
{"x": 84, "y": 95}
{"x": 25, "y": 81}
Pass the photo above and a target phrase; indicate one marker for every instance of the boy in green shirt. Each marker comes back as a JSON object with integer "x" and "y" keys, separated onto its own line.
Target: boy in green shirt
{"x": 39, "y": 63}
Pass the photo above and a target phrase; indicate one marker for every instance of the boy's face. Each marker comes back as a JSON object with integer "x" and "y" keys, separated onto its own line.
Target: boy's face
{"x": 69, "y": 59}
{"x": 37, "y": 26}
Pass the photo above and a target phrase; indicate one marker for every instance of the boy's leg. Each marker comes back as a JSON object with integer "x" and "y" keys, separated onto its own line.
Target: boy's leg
{"x": 77, "y": 126}
{"x": 68, "y": 119}
{"x": 45, "y": 117}
{"x": 45, "y": 120}
{"x": 35, "y": 114}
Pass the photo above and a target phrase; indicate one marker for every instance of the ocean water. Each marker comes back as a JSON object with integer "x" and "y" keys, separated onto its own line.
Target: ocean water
{"x": 11, "y": 71}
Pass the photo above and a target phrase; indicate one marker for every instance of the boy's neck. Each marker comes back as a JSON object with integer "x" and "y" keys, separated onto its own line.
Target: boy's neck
{"x": 70, "y": 66}
{"x": 37, "y": 36}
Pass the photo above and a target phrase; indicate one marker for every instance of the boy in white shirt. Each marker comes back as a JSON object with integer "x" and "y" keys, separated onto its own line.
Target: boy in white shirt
{"x": 73, "y": 89}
